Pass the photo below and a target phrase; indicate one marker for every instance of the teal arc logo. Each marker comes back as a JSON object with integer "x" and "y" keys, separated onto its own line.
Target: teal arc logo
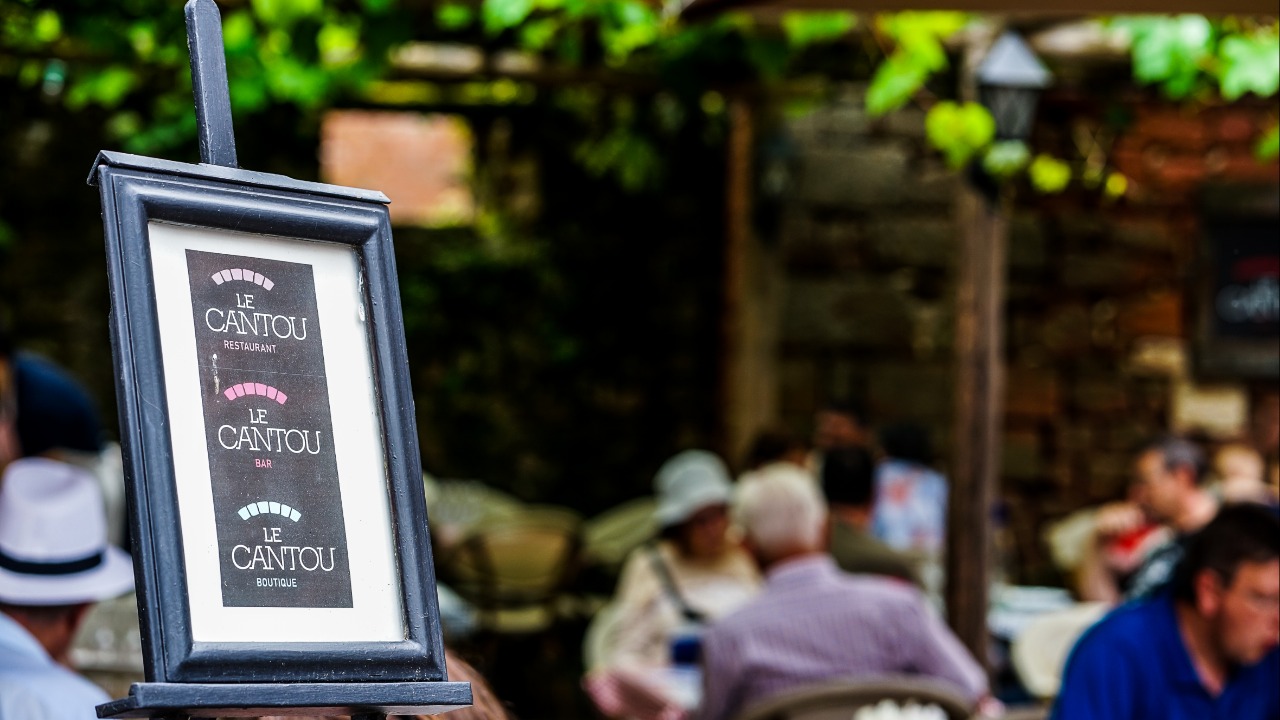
{"x": 268, "y": 507}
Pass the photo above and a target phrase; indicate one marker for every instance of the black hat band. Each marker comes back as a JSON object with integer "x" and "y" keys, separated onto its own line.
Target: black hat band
{"x": 69, "y": 567}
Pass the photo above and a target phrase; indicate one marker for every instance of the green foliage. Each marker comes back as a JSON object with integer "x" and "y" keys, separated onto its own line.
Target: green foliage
{"x": 46, "y": 28}
{"x": 1005, "y": 159}
{"x": 1184, "y": 55}
{"x": 1116, "y": 185}
{"x": 1170, "y": 51}
{"x": 284, "y": 13}
{"x": 377, "y": 7}
{"x": 918, "y": 52}
{"x": 131, "y": 59}
{"x": 626, "y": 156}
{"x": 1049, "y": 175}
{"x": 627, "y": 26}
{"x": 454, "y": 16}
{"x": 896, "y": 81}
{"x": 1188, "y": 53}
{"x": 1268, "y": 147}
{"x": 25, "y": 28}
{"x": 810, "y": 28}
{"x": 338, "y": 44}
{"x": 1250, "y": 64}
{"x": 959, "y": 130}
{"x": 499, "y": 15}
{"x": 538, "y": 34}
{"x": 106, "y": 87}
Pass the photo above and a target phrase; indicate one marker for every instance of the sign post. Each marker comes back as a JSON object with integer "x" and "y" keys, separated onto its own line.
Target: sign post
{"x": 275, "y": 494}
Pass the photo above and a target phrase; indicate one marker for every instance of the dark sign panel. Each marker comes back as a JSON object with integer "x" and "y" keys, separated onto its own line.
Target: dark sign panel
{"x": 1246, "y": 292}
{"x": 1237, "y": 284}
{"x": 281, "y": 536}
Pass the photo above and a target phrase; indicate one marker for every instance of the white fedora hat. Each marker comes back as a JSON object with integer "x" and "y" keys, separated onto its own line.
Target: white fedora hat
{"x": 53, "y": 537}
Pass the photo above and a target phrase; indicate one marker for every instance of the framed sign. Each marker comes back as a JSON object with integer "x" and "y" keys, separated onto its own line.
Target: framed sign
{"x": 1237, "y": 285}
{"x": 268, "y": 430}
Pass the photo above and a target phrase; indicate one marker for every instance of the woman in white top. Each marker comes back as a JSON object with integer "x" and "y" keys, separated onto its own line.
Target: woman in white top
{"x": 693, "y": 574}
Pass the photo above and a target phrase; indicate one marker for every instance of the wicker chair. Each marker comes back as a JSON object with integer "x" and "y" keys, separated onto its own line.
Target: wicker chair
{"x": 610, "y": 536}
{"x": 840, "y": 699}
{"x": 516, "y": 569}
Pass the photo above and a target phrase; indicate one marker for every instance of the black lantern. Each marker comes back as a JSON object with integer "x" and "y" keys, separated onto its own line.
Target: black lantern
{"x": 1010, "y": 79}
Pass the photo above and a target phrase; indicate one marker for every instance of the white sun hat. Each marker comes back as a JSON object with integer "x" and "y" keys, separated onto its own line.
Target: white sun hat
{"x": 688, "y": 482}
{"x": 53, "y": 537}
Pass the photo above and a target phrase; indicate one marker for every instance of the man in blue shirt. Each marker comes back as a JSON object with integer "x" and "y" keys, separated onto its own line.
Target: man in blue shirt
{"x": 1205, "y": 650}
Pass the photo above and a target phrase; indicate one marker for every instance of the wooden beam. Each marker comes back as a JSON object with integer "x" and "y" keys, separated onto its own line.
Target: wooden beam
{"x": 984, "y": 230}
{"x": 733, "y": 319}
{"x": 980, "y": 291}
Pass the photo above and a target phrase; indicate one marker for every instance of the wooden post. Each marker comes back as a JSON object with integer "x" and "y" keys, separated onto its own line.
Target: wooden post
{"x": 738, "y": 175}
{"x": 980, "y": 369}
{"x": 979, "y": 410}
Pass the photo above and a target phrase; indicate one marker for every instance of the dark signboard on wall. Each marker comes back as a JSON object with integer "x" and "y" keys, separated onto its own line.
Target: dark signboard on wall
{"x": 1246, "y": 292}
{"x": 1238, "y": 284}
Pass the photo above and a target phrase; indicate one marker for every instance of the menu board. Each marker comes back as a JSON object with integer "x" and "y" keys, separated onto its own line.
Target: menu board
{"x": 269, "y": 432}
{"x": 278, "y": 452}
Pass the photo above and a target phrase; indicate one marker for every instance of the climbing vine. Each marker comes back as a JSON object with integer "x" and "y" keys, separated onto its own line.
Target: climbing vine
{"x": 130, "y": 59}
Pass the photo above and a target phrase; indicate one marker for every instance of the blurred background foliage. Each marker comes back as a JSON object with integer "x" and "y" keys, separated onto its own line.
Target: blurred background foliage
{"x": 561, "y": 347}
{"x": 130, "y": 59}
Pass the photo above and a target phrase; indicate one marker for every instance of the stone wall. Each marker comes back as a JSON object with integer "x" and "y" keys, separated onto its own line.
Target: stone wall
{"x": 1098, "y": 295}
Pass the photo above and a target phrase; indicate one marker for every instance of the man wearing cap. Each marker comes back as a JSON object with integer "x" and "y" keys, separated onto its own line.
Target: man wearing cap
{"x": 55, "y": 563}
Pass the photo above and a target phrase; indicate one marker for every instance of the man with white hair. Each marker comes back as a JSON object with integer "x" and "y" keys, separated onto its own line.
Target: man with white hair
{"x": 55, "y": 563}
{"x": 813, "y": 622}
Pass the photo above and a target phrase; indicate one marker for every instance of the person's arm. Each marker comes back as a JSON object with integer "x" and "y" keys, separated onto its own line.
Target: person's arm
{"x": 1095, "y": 578}
{"x": 638, "y": 625}
{"x": 1098, "y": 683}
{"x": 721, "y": 676}
{"x": 938, "y": 653}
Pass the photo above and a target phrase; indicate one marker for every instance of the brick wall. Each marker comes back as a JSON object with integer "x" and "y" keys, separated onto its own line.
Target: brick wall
{"x": 1098, "y": 300}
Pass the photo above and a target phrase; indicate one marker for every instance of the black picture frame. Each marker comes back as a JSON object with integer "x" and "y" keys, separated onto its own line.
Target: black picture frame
{"x": 136, "y": 191}
{"x": 1239, "y": 224}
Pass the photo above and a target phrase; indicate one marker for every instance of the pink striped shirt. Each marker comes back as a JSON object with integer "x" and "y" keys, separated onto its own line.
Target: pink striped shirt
{"x": 814, "y": 623}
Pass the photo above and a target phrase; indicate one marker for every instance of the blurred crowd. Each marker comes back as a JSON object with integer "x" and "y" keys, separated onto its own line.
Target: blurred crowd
{"x": 823, "y": 561}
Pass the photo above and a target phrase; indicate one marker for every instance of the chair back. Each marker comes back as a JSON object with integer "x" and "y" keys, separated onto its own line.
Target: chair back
{"x": 609, "y": 537}
{"x": 842, "y": 699}
{"x": 1039, "y": 651}
{"x": 518, "y": 561}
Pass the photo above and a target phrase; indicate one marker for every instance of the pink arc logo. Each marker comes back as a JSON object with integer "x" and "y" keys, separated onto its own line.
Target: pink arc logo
{"x": 242, "y": 389}
{"x": 242, "y": 274}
